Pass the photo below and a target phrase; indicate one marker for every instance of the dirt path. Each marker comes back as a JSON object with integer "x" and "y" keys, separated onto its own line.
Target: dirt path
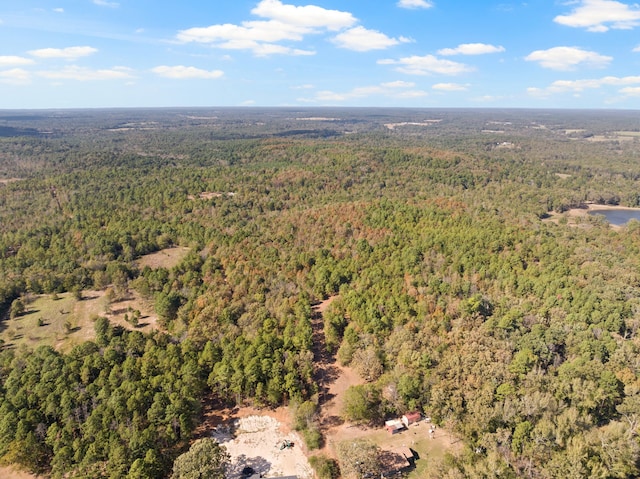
{"x": 332, "y": 378}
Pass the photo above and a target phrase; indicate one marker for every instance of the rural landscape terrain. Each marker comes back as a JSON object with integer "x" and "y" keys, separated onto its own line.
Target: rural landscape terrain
{"x": 319, "y": 293}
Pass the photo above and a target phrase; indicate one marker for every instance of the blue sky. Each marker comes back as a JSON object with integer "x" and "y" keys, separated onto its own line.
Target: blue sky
{"x": 404, "y": 53}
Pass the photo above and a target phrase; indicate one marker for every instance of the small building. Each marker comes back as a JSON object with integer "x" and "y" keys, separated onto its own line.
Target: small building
{"x": 394, "y": 426}
{"x": 411, "y": 418}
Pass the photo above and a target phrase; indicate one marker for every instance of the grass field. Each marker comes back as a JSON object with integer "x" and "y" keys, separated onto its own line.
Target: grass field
{"x": 166, "y": 258}
{"x": 430, "y": 450}
{"x": 63, "y": 322}
{"x": 60, "y": 322}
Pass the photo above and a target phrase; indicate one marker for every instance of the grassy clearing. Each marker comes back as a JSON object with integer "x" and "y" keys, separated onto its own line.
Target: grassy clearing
{"x": 431, "y": 451}
{"x": 148, "y": 319}
{"x": 65, "y": 322}
{"x": 54, "y": 321}
{"x": 166, "y": 258}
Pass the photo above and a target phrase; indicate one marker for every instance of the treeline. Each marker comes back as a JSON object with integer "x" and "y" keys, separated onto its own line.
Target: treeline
{"x": 120, "y": 406}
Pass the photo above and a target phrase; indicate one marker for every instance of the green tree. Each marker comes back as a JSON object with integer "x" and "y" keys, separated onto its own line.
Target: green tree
{"x": 205, "y": 459}
{"x": 17, "y": 308}
{"x": 358, "y": 459}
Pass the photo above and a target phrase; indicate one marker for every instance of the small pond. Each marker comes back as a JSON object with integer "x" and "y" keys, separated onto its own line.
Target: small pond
{"x": 618, "y": 217}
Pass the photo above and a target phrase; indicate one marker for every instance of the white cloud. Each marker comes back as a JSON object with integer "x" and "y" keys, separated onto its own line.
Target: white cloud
{"x": 398, "y": 84}
{"x": 631, "y": 91}
{"x": 266, "y": 49}
{"x": 15, "y": 76}
{"x": 283, "y": 23}
{"x": 307, "y": 86}
{"x": 425, "y": 65}
{"x": 450, "y": 87}
{"x": 413, "y": 4}
{"x": 396, "y": 89}
{"x": 69, "y": 53}
{"x": 600, "y": 15}
{"x": 471, "y": 49}
{"x": 86, "y": 74}
{"x": 636, "y": 49}
{"x": 260, "y": 31}
{"x": 361, "y": 39}
{"x": 105, "y": 3}
{"x": 577, "y": 86}
{"x": 181, "y": 72}
{"x": 11, "y": 60}
{"x": 309, "y": 16}
{"x": 567, "y": 58}
{"x": 58, "y": 10}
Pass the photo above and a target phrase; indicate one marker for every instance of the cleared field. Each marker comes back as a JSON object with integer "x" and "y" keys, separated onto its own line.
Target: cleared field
{"x": 166, "y": 258}
{"x": 60, "y": 322}
{"x": 430, "y": 450}
{"x": 63, "y": 322}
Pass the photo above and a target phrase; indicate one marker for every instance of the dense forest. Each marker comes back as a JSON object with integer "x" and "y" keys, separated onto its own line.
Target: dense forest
{"x": 462, "y": 289}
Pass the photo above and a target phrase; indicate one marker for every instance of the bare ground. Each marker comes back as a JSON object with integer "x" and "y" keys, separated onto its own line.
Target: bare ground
{"x": 11, "y": 473}
{"x": 166, "y": 258}
{"x": 257, "y": 441}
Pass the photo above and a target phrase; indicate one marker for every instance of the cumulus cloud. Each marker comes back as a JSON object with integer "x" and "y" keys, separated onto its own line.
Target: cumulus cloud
{"x": 361, "y": 39}
{"x": 414, "y": 4}
{"x": 283, "y": 23}
{"x": 15, "y": 76}
{"x": 69, "y": 53}
{"x": 12, "y": 60}
{"x": 471, "y": 49}
{"x": 86, "y": 74}
{"x": 577, "y": 86}
{"x": 395, "y": 89}
{"x": 601, "y": 15}
{"x": 450, "y": 87}
{"x": 309, "y": 16}
{"x": 568, "y": 58}
{"x": 181, "y": 72}
{"x": 426, "y": 65}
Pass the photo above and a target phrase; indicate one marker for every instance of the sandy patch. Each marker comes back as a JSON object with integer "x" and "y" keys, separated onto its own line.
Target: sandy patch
{"x": 256, "y": 442}
{"x": 10, "y": 473}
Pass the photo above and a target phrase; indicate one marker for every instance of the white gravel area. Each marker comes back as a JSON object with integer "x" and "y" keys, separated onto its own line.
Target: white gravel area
{"x": 256, "y": 442}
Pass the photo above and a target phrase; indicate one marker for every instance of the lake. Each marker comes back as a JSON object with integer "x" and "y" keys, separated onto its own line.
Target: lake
{"x": 618, "y": 217}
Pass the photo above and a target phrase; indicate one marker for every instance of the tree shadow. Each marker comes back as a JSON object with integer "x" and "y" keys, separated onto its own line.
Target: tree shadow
{"x": 259, "y": 465}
